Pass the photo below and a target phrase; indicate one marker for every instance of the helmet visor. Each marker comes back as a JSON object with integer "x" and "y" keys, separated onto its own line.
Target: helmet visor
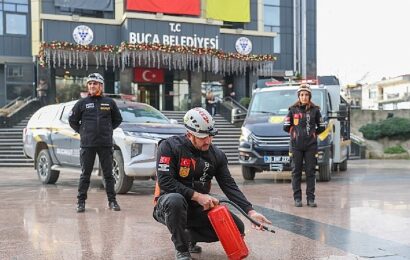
{"x": 201, "y": 133}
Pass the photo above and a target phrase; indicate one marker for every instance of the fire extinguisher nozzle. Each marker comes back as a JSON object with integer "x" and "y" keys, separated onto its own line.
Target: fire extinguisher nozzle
{"x": 246, "y": 215}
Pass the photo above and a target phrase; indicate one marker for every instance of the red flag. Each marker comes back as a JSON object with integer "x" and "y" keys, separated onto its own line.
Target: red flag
{"x": 185, "y": 162}
{"x": 146, "y": 75}
{"x": 189, "y": 7}
{"x": 165, "y": 159}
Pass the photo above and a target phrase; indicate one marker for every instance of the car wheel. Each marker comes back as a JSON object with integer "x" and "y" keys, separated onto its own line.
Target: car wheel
{"x": 325, "y": 171}
{"x": 343, "y": 166}
{"x": 335, "y": 167}
{"x": 248, "y": 173}
{"x": 123, "y": 183}
{"x": 45, "y": 174}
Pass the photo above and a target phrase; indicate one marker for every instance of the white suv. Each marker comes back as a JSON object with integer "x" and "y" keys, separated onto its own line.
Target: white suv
{"x": 54, "y": 146}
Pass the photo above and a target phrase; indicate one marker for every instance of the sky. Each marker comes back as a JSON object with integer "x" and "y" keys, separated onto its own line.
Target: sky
{"x": 362, "y": 41}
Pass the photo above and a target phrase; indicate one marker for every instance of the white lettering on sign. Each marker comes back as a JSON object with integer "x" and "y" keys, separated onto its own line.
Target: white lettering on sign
{"x": 183, "y": 40}
{"x": 175, "y": 27}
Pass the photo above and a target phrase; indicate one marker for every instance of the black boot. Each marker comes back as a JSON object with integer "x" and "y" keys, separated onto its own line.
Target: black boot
{"x": 182, "y": 255}
{"x": 194, "y": 248}
{"x": 312, "y": 203}
{"x": 298, "y": 203}
{"x": 80, "y": 206}
{"x": 113, "y": 205}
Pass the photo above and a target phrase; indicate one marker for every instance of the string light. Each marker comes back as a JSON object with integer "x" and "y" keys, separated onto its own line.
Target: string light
{"x": 155, "y": 55}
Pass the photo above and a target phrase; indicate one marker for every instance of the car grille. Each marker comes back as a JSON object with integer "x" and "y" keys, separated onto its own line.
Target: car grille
{"x": 262, "y": 141}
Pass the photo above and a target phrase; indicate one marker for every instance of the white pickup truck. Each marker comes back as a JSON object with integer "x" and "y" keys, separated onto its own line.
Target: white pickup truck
{"x": 54, "y": 146}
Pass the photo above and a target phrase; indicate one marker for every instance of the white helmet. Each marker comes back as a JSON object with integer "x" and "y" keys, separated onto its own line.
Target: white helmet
{"x": 95, "y": 77}
{"x": 200, "y": 123}
{"x": 304, "y": 87}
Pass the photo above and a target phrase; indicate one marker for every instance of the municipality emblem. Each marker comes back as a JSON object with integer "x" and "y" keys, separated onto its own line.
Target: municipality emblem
{"x": 83, "y": 35}
{"x": 243, "y": 45}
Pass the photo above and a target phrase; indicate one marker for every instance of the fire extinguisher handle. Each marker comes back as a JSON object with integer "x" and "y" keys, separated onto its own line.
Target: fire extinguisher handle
{"x": 246, "y": 215}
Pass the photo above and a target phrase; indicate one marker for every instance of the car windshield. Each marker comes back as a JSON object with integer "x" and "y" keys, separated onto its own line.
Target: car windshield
{"x": 278, "y": 102}
{"x": 142, "y": 114}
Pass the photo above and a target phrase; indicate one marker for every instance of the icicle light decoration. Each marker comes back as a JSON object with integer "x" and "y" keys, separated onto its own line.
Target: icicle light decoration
{"x": 153, "y": 55}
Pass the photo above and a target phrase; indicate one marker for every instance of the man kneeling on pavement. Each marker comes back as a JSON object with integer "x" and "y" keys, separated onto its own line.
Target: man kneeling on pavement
{"x": 185, "y": 167}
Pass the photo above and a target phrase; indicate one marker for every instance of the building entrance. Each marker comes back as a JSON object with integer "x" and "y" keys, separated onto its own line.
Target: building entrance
{"x": 149, "y": 94}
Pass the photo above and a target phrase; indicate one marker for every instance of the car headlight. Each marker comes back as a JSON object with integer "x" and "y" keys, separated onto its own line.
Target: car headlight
{"x": 245, "y": 135}
{"x": 136, "y": 149}
{"x": 143, "y": 135}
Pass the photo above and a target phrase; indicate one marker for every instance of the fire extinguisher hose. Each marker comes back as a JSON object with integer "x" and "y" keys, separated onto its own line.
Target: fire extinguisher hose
{"x": 246, "y": 215}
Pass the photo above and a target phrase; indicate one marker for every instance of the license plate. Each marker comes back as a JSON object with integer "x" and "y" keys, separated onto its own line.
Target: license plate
{"x": 276, "y": 159}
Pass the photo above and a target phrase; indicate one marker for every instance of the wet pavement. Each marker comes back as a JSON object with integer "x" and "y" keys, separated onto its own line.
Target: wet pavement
{"x": 362, "y": 213}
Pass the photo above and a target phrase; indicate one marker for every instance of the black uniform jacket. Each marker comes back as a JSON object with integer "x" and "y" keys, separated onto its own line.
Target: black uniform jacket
{"x": 184, "y": 169}
{"x": 304, "y": 123}
{"x": 95, "y": 118}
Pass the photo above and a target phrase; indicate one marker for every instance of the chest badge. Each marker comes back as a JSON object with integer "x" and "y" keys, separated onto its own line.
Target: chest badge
{"x": 296, "y": 119}
{"x": 89, "y": 105}
{"x": 184, "y": 171}
{"x": 105, "y": 107}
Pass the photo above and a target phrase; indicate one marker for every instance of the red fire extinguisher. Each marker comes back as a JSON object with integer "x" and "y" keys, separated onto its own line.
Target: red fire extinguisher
{"x": 227, "y": 231}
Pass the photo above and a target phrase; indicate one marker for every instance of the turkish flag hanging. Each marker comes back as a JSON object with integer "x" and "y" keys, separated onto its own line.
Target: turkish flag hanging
{"x": 147, "y": 75}
{"x": 189, "y": 7}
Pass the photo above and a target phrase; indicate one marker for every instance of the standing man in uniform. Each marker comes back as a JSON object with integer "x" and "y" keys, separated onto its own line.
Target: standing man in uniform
{"x": 186, "y": 165}
{"x": 95, "y": 117}
{"x": 303, "y": 123}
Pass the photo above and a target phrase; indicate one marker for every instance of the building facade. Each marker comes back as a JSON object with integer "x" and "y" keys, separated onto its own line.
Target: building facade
{"x": 387, "y": 94}
{"x": 166, "y": 56}
{"x": 16, "y": 61}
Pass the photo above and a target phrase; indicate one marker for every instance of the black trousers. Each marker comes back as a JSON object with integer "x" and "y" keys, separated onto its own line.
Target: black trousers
{"x": 309, "y": 157}
{"x": 43, "y": 100}
{"x": 186, "y": 224}
{"x": 87, "y": 158}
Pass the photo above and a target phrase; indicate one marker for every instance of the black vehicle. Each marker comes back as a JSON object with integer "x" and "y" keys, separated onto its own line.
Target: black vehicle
{"x": 264, "y": 146}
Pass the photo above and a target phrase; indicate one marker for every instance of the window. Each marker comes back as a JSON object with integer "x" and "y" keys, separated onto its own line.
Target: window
{"x": 13, "y": 17}
{"x": 232, "y": 25}
{"x": 16, "y": 24}
{"x": 271, "y": 15}
{"x": 372, "y": 94}
{"x": 276, "y": 44}
{"x": 14, "y": 71}
{"x": 272, "y": 2}
{"x": 20, "y": 6}
{"x": 16, "y": 1}
{"x": 278, "y": 102}
{"x": 9, "y": 7}
{"x": 272, "y": 21}
{"x": 276, "y": 39}
{"x": 66, "y": 113}
{"x": 19, "y": 73}
{"x": 97, "y": 9}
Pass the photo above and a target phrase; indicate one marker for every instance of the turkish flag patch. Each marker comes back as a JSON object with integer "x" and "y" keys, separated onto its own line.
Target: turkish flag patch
{"x": 185, "y": 162}
{"x": 165, "y": 159}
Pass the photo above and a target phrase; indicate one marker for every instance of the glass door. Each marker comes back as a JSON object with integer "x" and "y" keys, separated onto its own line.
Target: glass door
{"x": 149, "y": 94}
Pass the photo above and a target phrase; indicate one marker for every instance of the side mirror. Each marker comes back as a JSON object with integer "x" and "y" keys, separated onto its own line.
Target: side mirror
{"x": 343, "y": 112}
